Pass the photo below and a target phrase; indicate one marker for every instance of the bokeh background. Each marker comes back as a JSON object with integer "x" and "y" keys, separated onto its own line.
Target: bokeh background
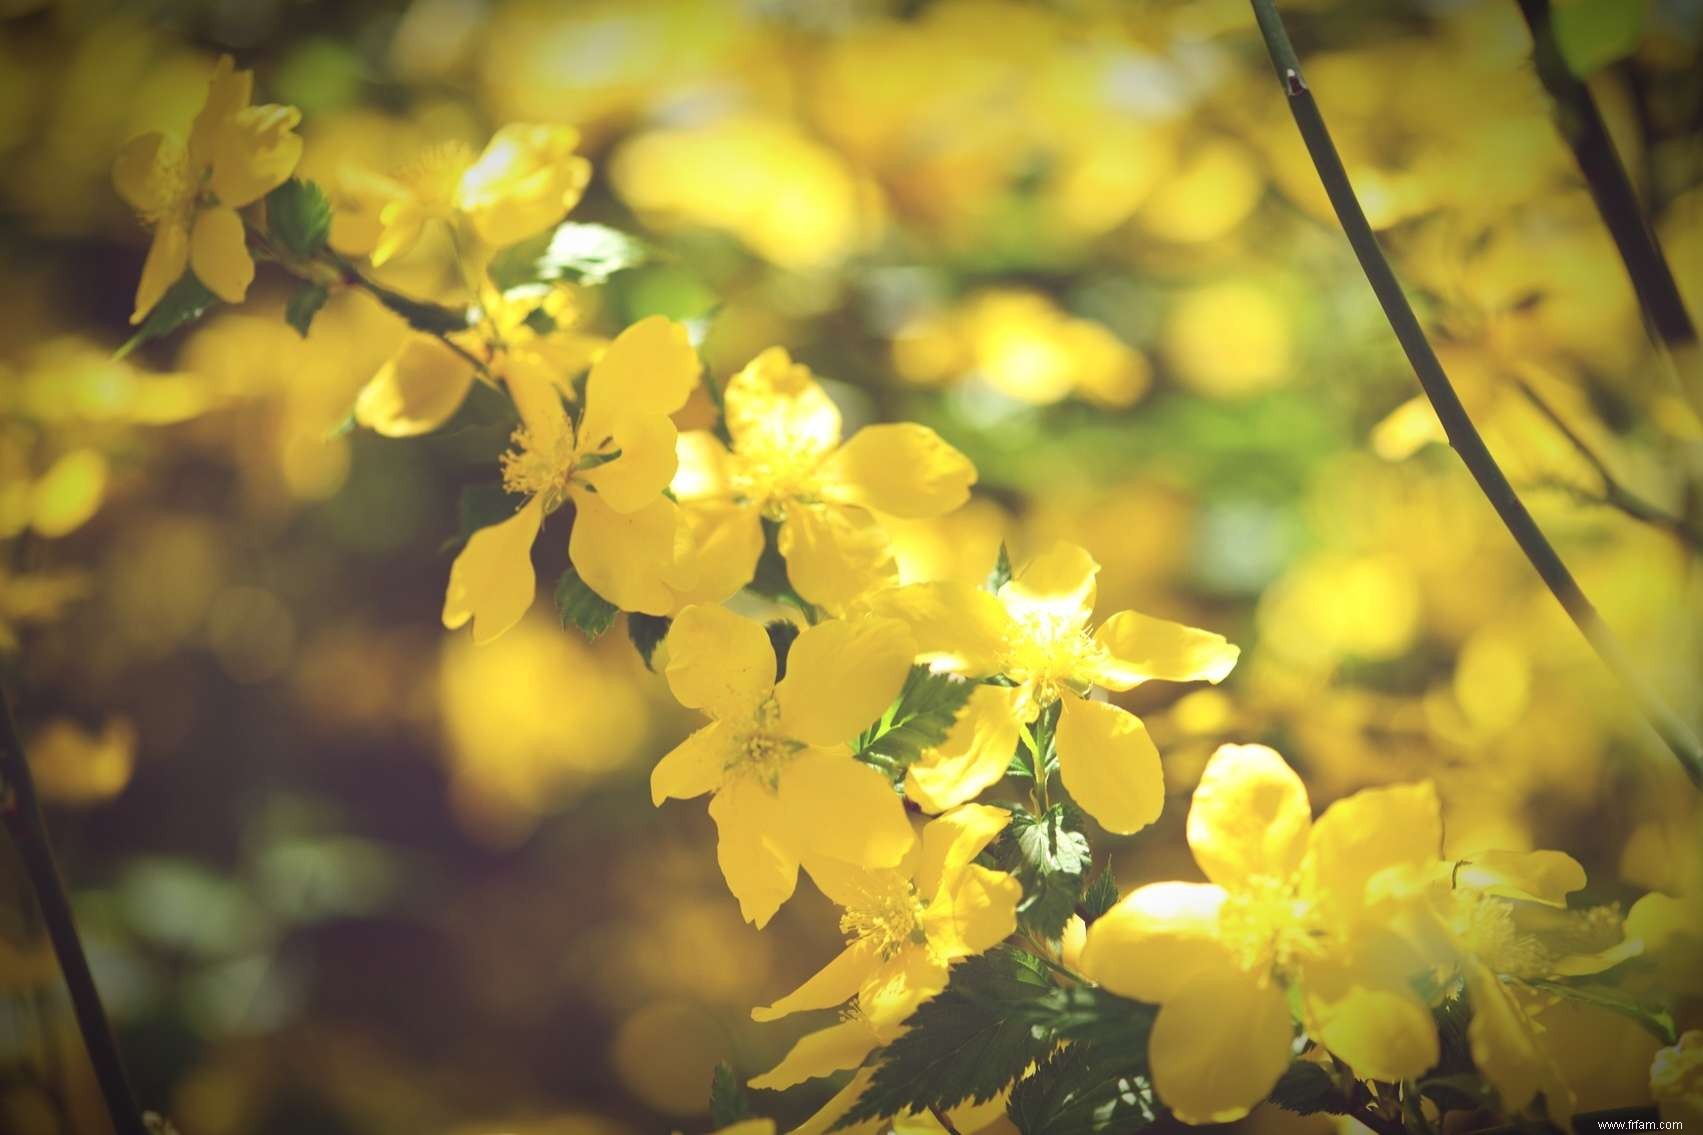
{"x": 341, "y": 871}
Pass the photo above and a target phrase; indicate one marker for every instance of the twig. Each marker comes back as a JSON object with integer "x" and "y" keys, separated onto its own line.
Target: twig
{"x": 1615, "y": 494}
{"x": 940, "y": 1118}
{"x": 1457, "y": 424}
{"x": 20, "y": 811}
{"x": 1581, "y": 123}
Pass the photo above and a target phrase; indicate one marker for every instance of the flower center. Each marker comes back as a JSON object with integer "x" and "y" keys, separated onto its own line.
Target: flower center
{"x": 887, "y": 914}
{"x": 770, "y": 473}
{"x": 434, "y": 176}
{"x": 1049, "y": 653}
{"x": 760, "y": 751}
{"x": 544, "y": 469}
{"x": 1266, "y": 924}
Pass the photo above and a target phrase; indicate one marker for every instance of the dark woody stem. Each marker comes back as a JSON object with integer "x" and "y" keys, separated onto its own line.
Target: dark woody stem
{"x": 1457, "y": 424}
{"x": 20, "y": 812}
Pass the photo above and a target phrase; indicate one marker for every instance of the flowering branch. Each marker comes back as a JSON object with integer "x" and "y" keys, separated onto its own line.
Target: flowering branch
{"x": 1457, "y": 424}
{"x": 20, "y": 812}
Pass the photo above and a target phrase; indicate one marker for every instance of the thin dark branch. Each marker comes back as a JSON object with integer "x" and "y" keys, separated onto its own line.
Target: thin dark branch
{"x": 1457, "y": 424}
{"x": 940, "y": 1118}
{"x": 1615, "y": 494}
{"x": 20, "y": 811}
{"x": 1581, "y": 124}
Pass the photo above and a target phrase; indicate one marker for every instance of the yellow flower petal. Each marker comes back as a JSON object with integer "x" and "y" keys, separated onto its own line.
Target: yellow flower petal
{"x": 704, "y": 468}
{"x": 628, "y": 558}
{"x": 417, "y": 390}
{"x": 401, "y": 224}
{"x": 821, "y": 1053}
{"x": 719, "y": 662}
{"x": 1142, "y": 648}
{"x": 834, "y": 553}
{"x": 1159, "y": 939}
{"x": 900, "y": 468}
{"x": 748, "y": 1127}
{"x": 148, "y": 173}
{"x": 255, "y": 151}
{"x": 1250, "y": 816}
{"x": 650, "y": 368}
{"x": 828, "y": 1115}
{"x": 526, "y": 180}
{"x": 834, "y": 984}
{"x": 952, "y": 841}
{"x": 1500, "y": 1038}
{"x": 694, "y": 766}
{"x": 774, "y": 404}
{"x": 1219, "y": 1046}
{"x": 1109, "y": 764}
{"x": 1536, "y": 876}
{"x": 840, "y": 676}
{"x": 906, "y": 980}
{"x": 228, "y": 91}
{"x": 218, "y": 251}
{"x": 1057, "y": 584}
{"x": 491, "y": 581}
{"x": 957, "y": 627}
{"x": 1371, "y": 831}
{"x": 168, "y": 256}
{"x": 644, "y": 467}
{"x": 759, "y": 867}
{"x": 722, "y": 545}
{"x": 1369, "y": 1017}
{"x": 973, "y": 757}
{"x": 842, "y": 809}
{"x": 69, "y": 493}
{"x": 975, "y": 912}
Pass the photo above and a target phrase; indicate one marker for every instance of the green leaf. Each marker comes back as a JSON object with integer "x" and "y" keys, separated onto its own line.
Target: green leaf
{"x": 580, "y": 606}
{"x": 304, "y": 305}
{"x": 1654, "y": 1018}
{"x": 479, "y": 506}
{"x": 646, "y": 633}
{"x": 965, "y": 1043}
{"x": 728, "y": 1102}
{"x": 1101, "y": 896}
{"x": 576, "y": 252}
{"x": 184, "y": 302}
{"x": 919, "y": 718}
{"x": 1084, "y": 1089}
{"x": 298, "y": 218}
{"x": 782, "y": 634}
{"x": 1049, "y": 856}
{"x": 1001, "y": 573}
{"x": 1592, "y": 34}
{"x": 1307, "y": 1089}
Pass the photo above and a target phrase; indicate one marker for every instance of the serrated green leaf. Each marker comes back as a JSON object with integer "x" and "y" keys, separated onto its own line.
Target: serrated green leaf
{"x": 304, "y": 305}
{"x": 1082, "y": 1089}
{"x": 646, "y": 633}
{"x": 298, "y": 218}
{"x": 966, "y": 1043}
{"x": 574, "y": 251}
{"x": 920, "y": 718}
{"x": 1048, "y": 855}
{"x": 1307, "y": 1089}
{"x": 1001, "y": 573}
{"x": 184, "y": 303}
{"x": 1653, "y": 1018}
{"x": 579, "y": 606}
{"x": 728, "y": 1102}
{"x": 1101, "y": 896}
{"x": 1592, "y": 34}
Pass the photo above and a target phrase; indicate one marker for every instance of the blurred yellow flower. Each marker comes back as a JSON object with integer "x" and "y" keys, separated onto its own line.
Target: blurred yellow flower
{"x": 1035, "y": 632}
{"x": 1676, "y": 1078}
{"x": 786, "y": 790}
{"x": 612, "y": 464}
{"x": 1292, "y": 905}
{"x": 75, "y": 766}
{"x": 788, "y": 465}
{"x": 527, "y": 179}
{"x": 190, "y": 193}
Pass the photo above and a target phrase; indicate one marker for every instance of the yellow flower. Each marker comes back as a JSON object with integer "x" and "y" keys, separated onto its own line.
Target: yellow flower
{"x": 786, "y": 787}
{"x": 1035, "y": 632}
{"x": 526, "y": 180}
{"x": 904, "y": 928}
{"x": 424, "y": 383}
{"x": 1676, "y": 1079}
{"x": 1292, "y": 905}
{"x": 612, "y": 464}
{"x": 787, "y": 465}
{"x": 236, "y": 154}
